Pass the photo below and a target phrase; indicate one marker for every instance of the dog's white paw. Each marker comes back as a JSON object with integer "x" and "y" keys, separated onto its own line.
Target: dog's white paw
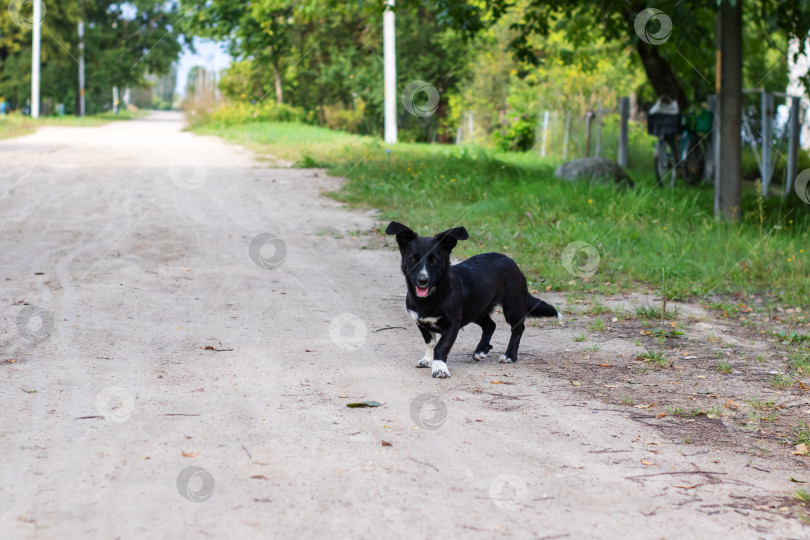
{"x": 439, "y": 369}
{"x": 506, "y": 360}
{"x": 424, "y": 362}
{"x": 479, "y": 356}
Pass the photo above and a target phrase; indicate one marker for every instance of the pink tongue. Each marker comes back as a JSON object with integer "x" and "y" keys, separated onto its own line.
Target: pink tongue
{"x": 421, "y": 292}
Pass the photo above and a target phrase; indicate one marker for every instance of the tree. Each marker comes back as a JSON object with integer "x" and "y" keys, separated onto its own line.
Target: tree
{"x": 123, "y": 42}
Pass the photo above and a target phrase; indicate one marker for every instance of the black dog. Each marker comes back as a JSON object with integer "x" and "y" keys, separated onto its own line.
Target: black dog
{"x": 443, "y": 298}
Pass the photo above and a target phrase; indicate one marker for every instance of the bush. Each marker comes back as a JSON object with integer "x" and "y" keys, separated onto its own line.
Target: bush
{"x": 265, "y": 111}
{"x": 344, "y": 119}
{"x": 518, "y": 136}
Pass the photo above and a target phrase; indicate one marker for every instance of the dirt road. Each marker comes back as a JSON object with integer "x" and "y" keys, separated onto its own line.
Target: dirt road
{"x": 182, "y": 328}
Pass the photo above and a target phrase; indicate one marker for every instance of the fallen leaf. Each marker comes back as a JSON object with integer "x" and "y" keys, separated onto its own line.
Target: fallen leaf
{"x": 801, "y": 450}
{"x": 611, "y": 386}
{"x": 259, "y": 477}
{"x": 386, "y": 443}
{"x": 646, "y": 462}
{"x": 797, "y": 481}
{"x": 687, "y": 487}
{"x": 576, "y": 383}
{"x": 186, "y": 269}
{"x": 651, "y": 405}
{"x": 11, "y": 360}
{"x": 605, "y": 365}
{"x": 29, "y": 391}
{"x": 701, "y": 376}
{"x": 496, "y": 382}
{"x": 731, "y": 404}
{"x": 189, "y": 454}
{"x": 363, "y": 404}
{"x": 661, "y": 415}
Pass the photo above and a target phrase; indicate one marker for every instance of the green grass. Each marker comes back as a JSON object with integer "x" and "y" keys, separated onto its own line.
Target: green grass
{"x": 580, "y": 337}
{"x": 627, "y": 400}
{"x": 760, "y": 403}
{"x": 801, "y": 434}
{"x": 667, "y": 239}
{"x": 782, "y": 381}
{"x": 597, "y": 325}
{"x": 658, "y": 358}
{"x": 16, "y": 125}
{"x": 724, "y": 367}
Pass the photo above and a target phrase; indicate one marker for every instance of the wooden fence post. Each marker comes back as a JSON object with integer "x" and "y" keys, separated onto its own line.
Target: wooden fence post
{"x": 545, "y": 134}
{"x": 624, "y": 112}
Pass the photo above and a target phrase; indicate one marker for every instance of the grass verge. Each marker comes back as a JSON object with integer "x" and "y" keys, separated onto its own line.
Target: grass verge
{"x": 512, "y": 203}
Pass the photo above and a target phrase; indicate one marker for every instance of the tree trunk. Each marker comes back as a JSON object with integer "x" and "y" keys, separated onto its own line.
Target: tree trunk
{"x": 660, "y": 74}
{"x": 728, "y": 190}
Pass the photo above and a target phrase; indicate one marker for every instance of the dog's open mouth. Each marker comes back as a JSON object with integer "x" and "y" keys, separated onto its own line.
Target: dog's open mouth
{"x": 422, "y": 291}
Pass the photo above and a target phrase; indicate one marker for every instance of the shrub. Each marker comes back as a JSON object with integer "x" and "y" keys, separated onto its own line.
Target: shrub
{"x": 264, "y": 111}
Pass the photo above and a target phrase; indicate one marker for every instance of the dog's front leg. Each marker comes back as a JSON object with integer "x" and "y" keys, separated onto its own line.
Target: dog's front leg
{"x": 430, "y": 341}
{"x": 439, "y": 365}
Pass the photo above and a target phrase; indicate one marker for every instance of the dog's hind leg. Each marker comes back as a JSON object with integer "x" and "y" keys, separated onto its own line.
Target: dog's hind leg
{"x": 515, "y": 318}
{"x": 488, "y": 326}
{"x": 430, "y": 341}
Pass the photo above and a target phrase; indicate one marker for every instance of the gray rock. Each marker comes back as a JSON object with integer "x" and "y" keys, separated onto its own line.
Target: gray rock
{"x": 593, "y": 169}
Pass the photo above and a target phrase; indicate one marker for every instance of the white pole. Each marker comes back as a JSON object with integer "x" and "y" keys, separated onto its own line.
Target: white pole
{"x": 35, "y": 61}
{"x": 115, "y": 100}
{"x": 81, "y": 68}
{"x": 390, "y": 73}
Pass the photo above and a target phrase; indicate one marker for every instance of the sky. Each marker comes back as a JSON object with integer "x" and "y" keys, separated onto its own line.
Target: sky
{"x": 209, "y": 54}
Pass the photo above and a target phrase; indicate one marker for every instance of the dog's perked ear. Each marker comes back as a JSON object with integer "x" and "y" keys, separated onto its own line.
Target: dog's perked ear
{"x": 403, "y": 233}
{"x": 449, "y": 238}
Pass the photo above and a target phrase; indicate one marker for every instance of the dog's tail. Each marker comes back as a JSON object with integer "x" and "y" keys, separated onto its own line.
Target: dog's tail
{"x": 538, "y": 308}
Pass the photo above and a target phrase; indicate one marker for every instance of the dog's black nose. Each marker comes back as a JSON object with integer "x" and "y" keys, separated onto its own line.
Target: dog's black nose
{"x": 421, "y": 283}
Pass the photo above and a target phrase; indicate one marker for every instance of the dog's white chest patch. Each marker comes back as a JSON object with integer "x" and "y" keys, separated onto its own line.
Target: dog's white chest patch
{"x": 430, "y": 321}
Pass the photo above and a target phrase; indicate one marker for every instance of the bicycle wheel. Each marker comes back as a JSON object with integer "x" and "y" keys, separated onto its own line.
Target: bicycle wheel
{"x": 694, "y": 162}
{"x": 665, "y": 161}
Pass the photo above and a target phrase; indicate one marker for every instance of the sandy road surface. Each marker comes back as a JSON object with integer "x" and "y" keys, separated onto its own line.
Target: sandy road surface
{"x": 138, "y": 273}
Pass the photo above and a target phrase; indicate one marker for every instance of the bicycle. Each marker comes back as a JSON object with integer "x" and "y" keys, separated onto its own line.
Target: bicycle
{"x": 680, "y": 149}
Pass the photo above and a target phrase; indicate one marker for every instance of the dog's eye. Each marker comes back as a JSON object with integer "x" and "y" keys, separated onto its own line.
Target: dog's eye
{"x": 433, "y": 259}
{"x": 413, "y": 260}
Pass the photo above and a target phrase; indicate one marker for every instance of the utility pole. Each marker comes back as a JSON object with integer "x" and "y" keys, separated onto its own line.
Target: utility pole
{"x": 390, "y": 73}
{"x": 81, "y": 65}
{"x": 728, "y": 190}
{"x": 35, "y": 61}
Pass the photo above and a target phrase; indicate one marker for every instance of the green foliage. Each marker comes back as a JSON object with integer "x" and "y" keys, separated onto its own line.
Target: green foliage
{"x": 123, "y": 42}
{"x": 265, "y": 111}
